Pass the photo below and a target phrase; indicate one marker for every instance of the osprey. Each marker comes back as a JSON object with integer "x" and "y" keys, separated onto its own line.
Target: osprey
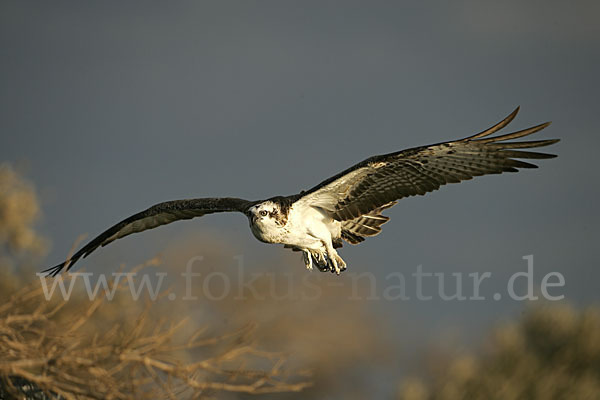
{"x": 346, "y": 207}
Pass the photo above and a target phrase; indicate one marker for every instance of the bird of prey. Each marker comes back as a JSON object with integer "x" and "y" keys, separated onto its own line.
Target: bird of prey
{"x": 346, "y": 207}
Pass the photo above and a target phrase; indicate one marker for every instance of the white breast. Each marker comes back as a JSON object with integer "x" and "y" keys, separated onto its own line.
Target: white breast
{"x": 308, "y": 227}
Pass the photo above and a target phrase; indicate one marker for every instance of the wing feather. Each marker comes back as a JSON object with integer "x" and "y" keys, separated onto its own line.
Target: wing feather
{"x": 157, "y": 215}
{"x": 379, "y": 180}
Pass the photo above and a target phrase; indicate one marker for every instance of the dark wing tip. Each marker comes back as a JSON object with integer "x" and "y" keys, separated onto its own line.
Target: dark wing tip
{"x": 526, "y": 154}
{"x": 53, "y": 271}
{"x": 513, "y": 114}
{"x": 521, "y": 145}
{"x": 68, "y": 264}
{"x": 496, "y": 127}
{"x": 515, "y": 135}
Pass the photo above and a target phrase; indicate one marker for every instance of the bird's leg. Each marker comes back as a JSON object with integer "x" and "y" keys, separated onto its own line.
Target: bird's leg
{"x": 307, "y": 257}
{"x": 320, "y": 260}
{"x": 341, "y": 265}
{"x": 338, "y": 265}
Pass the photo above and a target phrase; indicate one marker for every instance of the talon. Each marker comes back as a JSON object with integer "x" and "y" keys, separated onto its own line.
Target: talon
{"x": 307, "y": 260}
{"x": 319, "y": 261}
{"x": 334, "y": 265}
{"x": 341, "y": 264}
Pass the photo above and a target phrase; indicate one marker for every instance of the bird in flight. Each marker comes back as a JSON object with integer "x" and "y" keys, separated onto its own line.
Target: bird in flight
{"x": 347, "y": 206}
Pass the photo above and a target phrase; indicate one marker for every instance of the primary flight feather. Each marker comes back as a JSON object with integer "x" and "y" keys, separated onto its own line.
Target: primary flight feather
{"x": 346, "y": 207}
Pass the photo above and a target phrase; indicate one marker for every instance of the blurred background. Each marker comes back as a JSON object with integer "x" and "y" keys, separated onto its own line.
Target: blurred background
{"x": 107, "y": 108}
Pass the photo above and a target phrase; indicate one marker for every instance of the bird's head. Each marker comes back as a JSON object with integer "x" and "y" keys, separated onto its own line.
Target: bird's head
{"x": 267, "y": 215}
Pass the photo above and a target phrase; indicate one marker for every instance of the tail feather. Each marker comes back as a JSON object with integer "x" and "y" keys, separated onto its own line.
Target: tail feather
{"x": 355, "y": 230}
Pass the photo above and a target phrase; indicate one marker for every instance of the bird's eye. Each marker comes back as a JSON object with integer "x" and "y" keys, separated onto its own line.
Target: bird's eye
{"x": 263, "y": 213}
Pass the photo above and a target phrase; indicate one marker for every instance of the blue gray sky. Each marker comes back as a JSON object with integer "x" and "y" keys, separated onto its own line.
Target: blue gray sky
{"x": 114, "y": 106}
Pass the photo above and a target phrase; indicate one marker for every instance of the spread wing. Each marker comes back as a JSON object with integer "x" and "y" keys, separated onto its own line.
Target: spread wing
{"x": 157, "y": 215}
{"x": 379, "y": 181}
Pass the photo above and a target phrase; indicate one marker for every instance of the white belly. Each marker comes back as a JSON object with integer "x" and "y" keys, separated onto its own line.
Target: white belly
{"x": 309, "y": 228}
